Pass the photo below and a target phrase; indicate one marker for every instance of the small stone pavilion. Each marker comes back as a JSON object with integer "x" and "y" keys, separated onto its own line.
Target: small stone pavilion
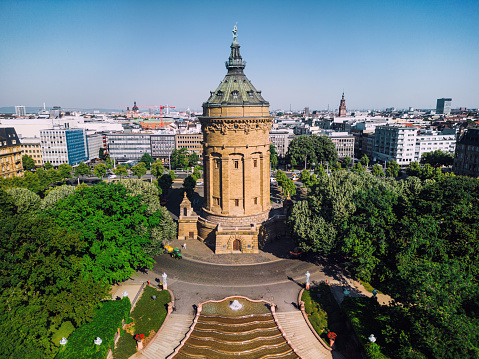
{"x": 235, "y": 123}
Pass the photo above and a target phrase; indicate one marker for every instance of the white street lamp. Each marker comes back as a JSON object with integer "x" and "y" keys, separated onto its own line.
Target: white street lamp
{"x": 164, "y": 276}
{"x": 307, "y": 279}
{"x": 372, "y": 338}
{"x": 97, "y": 341}
{"x": 125, "y": 294}
{"x": 63, "y": 341}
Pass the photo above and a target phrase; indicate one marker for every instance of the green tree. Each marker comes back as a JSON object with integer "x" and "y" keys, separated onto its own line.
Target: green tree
{"x": 100, "y": 170}
{"x": 317, "y": 149}
{"x": 28, "y": 163}
{"x": 157, "y": 169}
{"x": 116, "y": 228}
{"x": 55, "y": 195}
{"x": 193, "y": 159}
{"x": 179, "y": 158}
{"x": 273, "y": 157}
{"x": 393, "y": 169}
{"x": 196, "y": 173}
{"x": 172, "y": 175}
{"x": 139, "y": 170}
{"x": 165, "y": 183}
{"x": 41, "y": 285}
{"x": 307, "y": 179}
{"x": 377, "y": 171}
{"x": 437, "y": 158}
{"x": 365, "y": 161}
{"x": 286, "y": 184}
{"x": 101, "y": 153}
{"x": 47, "y": 165}
{"x": 358, "y": 168}
{"x": 65, "y": 170}
{"x": 347, "y": 161}
{"x": 82, "y": 170}
{"x": 319, "y": 171}
{"x": 147, "y": 160}
{"x": 25, "y": 200}
{"x": 189, "y": 185}
{"x": 121, "y": 171}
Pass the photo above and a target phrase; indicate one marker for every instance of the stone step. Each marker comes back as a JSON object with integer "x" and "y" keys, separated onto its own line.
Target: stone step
{"x": 172, "y": 333}
{"x": 302, "y": 339}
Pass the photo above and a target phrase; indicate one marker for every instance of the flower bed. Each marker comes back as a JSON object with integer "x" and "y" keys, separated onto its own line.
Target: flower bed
{"x": 148, "y": 316}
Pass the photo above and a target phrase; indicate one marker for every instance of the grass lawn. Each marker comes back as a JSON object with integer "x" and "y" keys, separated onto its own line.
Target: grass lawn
{"x": 148, "y": 316}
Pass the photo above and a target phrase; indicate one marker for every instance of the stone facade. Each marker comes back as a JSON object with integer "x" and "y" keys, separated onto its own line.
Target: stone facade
{"x": 187, "y": 221}
{"x": 235, "y": 125}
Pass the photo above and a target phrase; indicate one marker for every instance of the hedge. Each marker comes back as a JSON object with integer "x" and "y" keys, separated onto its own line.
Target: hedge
{"x": 105, "y": 323}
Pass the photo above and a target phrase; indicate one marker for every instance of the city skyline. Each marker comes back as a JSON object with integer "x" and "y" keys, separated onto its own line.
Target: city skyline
{"x": 108, "y": 54}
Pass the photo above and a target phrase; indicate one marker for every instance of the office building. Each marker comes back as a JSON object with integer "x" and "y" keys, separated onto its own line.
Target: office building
{"x": 128, "y": 146}
{"x": 162, "y": 145}
{"x": 64, "y": 145}
{"x": 443, "y": 106}
{"x": 191, "y": 141}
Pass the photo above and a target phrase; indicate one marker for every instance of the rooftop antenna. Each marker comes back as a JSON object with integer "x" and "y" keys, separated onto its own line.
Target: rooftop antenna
{"x": 44, "y": 106}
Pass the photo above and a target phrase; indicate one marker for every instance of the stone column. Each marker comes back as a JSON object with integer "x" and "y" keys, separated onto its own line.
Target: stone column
{"x": 248, "y": 162}
{"x": 225, "y": 185}
{"x": 209, "y": 183}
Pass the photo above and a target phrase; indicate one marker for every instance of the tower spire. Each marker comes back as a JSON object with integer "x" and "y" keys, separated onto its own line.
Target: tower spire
{"x": 235, "y": 63}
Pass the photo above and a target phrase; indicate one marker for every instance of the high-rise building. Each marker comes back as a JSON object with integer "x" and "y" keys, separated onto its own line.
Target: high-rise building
{"x": 443, "y": 106}
{"x": 64, "y": 145}
{"x": 342, "y": 107}
{"x": 235, "y": 125}
{"x": 20, "y": 111}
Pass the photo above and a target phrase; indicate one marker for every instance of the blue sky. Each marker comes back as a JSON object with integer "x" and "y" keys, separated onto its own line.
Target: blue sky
{"x": 301, "y": 53}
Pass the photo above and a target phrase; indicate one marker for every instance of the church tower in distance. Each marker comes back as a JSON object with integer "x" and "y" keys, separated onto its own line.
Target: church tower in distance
{"x": 342, "y": 107}
{"x": 236, "y": 166}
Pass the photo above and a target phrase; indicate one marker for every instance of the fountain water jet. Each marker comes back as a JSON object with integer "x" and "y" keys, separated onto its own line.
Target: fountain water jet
{"x": 235, "y": 305}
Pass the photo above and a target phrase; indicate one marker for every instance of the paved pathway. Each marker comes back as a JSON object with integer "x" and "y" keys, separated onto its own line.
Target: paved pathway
{"x": 172, "y": 333}
{"x": 298, "y": 333}
{"x": 202, "y": 276}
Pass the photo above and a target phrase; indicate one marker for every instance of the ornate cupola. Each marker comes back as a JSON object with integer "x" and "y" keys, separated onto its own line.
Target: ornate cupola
{"x": 235, "y": 89}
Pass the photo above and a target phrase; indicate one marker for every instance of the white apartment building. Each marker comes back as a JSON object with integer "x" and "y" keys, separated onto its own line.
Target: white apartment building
{"x": 281, "y": 139}
{"x": 396, "y": 143}
{"x": 344, "y": 143}
{"x": 407, "y": 144}
{"x": 429, "y": 141}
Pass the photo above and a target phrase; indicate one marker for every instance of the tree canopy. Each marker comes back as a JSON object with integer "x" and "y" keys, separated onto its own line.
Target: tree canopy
{"x": 311, "y": 149}
{"x": 179, "y": 158}
{"x": 28, "y": 163}
{"x": 417, "y": 241}
{"x": 437, "y": 158}
{"x": 82, "y": 170}
{"x": 147, "y": 160}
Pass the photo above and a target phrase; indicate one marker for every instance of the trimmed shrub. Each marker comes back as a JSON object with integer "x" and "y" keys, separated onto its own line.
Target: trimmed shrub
{"x": 105, "y": 323}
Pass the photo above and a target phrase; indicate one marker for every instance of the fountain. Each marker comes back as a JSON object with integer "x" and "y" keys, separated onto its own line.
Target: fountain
{"x": 235, "y": 305}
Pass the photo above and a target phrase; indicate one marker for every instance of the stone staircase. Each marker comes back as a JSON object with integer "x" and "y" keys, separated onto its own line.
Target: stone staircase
{"x": 172, "y": 332}
{"x": 303, "y": 341}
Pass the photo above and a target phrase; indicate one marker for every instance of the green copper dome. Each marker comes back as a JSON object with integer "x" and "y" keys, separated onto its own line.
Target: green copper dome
{"x": 235, "y": 89}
